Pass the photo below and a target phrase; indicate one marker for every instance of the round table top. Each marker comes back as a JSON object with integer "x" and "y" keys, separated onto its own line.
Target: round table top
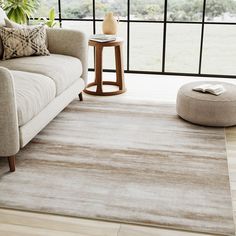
{"x": 116, "y": 42}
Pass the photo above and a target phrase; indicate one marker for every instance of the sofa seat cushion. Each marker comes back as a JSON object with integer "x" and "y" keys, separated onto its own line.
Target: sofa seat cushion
{"x": 33, "y": 93}
{"x": 63, "y": 70}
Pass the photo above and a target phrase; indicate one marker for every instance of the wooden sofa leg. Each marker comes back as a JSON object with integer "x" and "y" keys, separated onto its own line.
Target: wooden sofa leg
{"x": 12, "y": 163}
{"x": 81, "y": 96}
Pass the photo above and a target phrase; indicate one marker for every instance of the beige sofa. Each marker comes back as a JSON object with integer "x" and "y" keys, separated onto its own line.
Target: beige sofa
{"x": 33, "y": 90}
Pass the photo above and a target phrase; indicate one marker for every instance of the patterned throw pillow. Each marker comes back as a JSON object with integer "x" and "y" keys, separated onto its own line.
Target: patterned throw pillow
{"x": 24, "y": 42}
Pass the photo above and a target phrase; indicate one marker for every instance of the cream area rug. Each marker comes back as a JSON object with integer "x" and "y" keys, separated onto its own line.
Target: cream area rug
{"x": 126, "y": 162}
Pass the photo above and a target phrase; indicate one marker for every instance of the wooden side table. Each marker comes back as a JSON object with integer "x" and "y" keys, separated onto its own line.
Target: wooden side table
{"x": 117, "y": 44}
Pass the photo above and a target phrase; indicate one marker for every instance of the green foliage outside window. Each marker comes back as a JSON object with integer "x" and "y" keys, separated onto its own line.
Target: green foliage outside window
{"x": 215, "y": 8}
{"x": 182, "y": 10}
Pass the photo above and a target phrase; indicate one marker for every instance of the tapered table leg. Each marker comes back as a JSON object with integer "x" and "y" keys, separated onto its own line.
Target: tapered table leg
{"x": 98, "y": 68}
{"x": 119, "y": 67}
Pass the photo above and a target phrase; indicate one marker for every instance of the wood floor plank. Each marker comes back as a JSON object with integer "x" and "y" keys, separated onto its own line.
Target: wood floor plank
{"x": 19, "y": 230}
{"x": 233, "y": 194}
{"x": 232, "y": 167}
{"x": 233, "y": 186}
{"x": 131, "y": 230}
{"x": 231, "y": 154}
{"x": 59, "y": 223}
{"x": 233, "y": 177}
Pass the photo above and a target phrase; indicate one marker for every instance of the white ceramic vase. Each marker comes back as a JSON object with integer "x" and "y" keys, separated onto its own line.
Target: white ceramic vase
{"x": 109, "y": 25}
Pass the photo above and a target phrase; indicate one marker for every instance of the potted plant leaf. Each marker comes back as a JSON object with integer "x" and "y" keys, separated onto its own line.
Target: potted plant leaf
{"x": 20, "y": 11}
{"x": 50, "y": 22}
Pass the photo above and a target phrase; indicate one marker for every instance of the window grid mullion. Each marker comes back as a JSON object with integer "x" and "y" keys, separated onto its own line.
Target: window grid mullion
{"x": 164, "y": 22}
{"x": 202, "y": 36}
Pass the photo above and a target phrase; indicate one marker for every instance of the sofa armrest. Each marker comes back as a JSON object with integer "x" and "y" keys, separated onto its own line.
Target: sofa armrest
{"x": 69, "y": 42}
{"x": 9, "y": 130}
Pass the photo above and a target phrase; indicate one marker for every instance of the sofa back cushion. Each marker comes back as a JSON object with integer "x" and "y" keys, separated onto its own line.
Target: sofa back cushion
{"x": 11, "y": 24}
{"x": 23, "y": 42}
{"x": 2, "y": 17}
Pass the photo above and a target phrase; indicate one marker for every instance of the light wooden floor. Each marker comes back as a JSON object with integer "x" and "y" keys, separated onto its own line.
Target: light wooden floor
{"x": 148, "y": 87}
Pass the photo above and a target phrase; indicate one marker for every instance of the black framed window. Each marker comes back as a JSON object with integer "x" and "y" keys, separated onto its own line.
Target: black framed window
{"x": 179, "y": 37}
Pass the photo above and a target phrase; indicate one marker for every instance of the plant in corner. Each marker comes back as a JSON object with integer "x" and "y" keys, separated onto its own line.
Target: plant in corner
{"x": 20, "y": 11}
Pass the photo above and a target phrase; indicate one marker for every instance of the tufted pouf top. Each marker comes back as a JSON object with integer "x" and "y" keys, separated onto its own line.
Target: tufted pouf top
{"x": 207, "y": 109}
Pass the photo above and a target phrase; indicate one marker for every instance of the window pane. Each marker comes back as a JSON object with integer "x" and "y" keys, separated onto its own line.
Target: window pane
{"x": 45, "y": 6}
{"x": 34, "y": 22}
{"x": 183, "y": 48}
{"x": 146, "y": 41}
{"x": 118, "y": 7}
{"x": 74, "y": 9}
{"x": 109, "y": 52}
{"x": 185, "y": 10}
{"x": 221, "y": 10}
{"x": 86, "y": 27}
{"x": 219, "y": 50}
{"x": 147, "y": 10}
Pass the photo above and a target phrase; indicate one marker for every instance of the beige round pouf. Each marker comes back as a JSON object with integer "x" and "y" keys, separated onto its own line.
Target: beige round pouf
{"x": 207, "y": 109}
